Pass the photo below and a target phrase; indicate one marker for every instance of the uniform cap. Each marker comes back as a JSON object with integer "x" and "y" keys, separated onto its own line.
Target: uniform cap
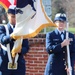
{"x": 11, "y": 9}
{"x": 60, "y": 17}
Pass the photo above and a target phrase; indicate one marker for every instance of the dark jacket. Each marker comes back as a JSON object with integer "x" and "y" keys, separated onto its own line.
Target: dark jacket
{"x": 4, "y": 39}
{"x": 57, "y": 56}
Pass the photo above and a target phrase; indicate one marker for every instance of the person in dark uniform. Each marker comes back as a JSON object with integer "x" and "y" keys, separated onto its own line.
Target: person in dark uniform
{"x": 56, "y": 43}
{"x": 6, "y": 39}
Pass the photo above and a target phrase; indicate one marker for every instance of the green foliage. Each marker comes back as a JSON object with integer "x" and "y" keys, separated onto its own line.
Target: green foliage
{"x": 71, "y": 29}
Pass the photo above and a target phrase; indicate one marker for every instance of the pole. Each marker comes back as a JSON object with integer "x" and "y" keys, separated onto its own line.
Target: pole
{"x": 68, "y": 53}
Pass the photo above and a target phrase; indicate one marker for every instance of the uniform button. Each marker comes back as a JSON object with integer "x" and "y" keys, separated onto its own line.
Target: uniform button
{"x": 63, "y": 59}
{"x": 50, "y": 62}
{"x": 65, "y": 64}
{"x": 56, "y": 43}
{"x": 50, "y": 50}
{"x": 63, "y": 51}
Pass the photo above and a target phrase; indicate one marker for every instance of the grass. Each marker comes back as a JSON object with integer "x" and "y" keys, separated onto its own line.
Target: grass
{"x": 71, "y": 29}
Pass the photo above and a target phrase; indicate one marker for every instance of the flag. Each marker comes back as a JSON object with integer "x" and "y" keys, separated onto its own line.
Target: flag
{"x": 30, "y": 20}
{"x": 7, "y": 3}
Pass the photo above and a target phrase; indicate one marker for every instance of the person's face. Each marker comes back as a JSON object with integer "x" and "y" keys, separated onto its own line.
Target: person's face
{"x": 60, "y": 25}
{"x": 12, "y": 19}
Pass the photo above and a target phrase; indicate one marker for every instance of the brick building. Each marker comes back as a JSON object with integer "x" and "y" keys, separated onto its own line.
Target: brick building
{"x": 37, "y": 56}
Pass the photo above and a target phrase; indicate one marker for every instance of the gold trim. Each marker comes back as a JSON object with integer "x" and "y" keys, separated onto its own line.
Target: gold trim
{"x": 12, "y": 66}
{"x": 4, "y": 5}
{"x": 32, "y": 34}
{"x": 38, "y": 29}
{"x": 16, "y": 50}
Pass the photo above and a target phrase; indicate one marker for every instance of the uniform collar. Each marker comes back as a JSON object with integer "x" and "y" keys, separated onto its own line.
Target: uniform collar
{"x": 60, "y": 31}
{"x": 57, "y": 31}
{"x": 11, "y": 25}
